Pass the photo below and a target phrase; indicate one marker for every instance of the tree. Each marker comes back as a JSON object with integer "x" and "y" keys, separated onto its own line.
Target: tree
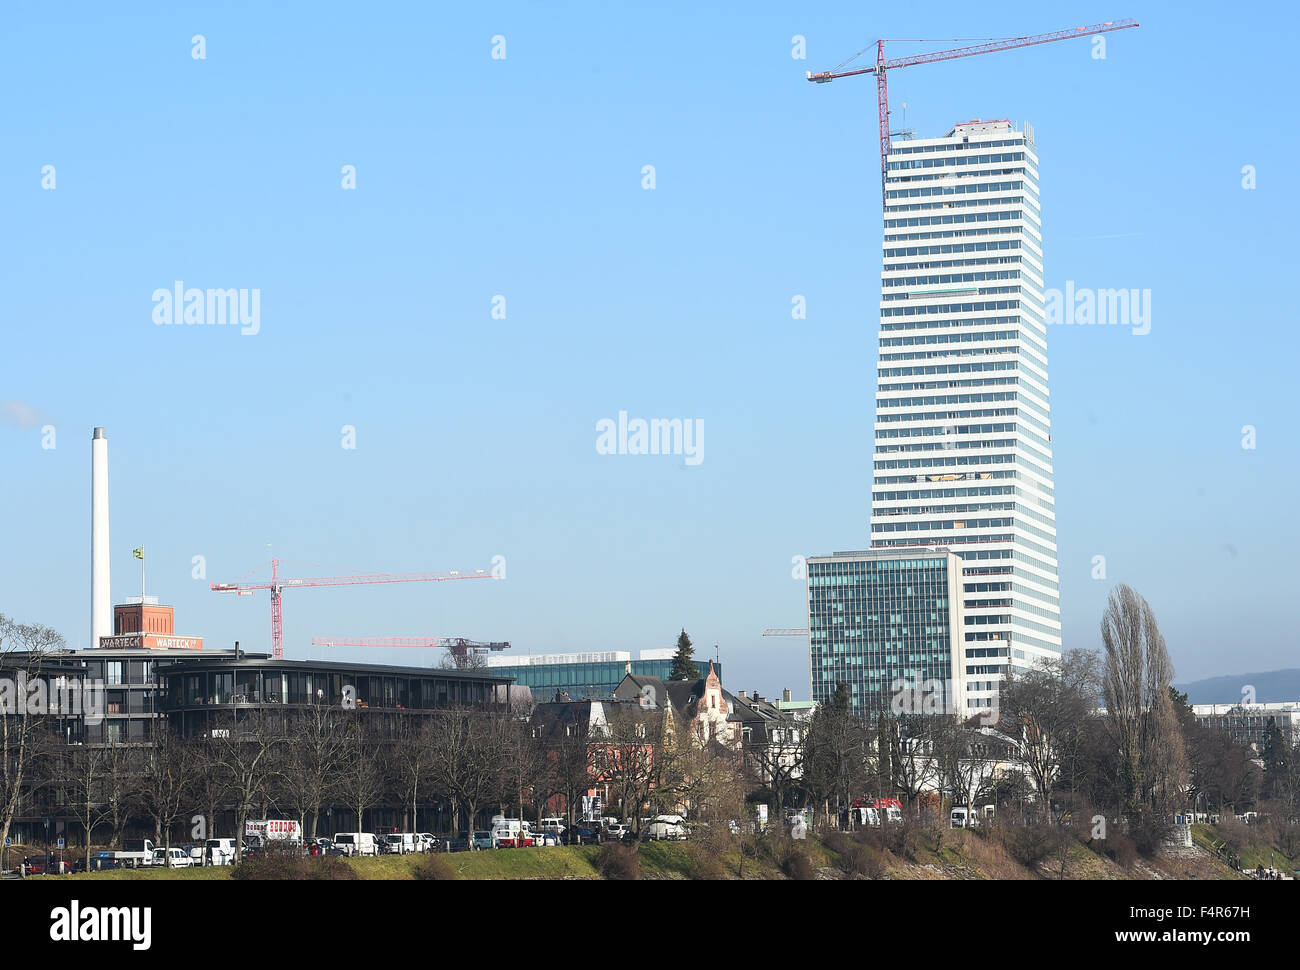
{"x": 23, "y": 650}
{"x": 211, "y": 786}
{"x": 683, "y": 666}
{"x": 1045, "y": 711}
{"x": 631, "y": 758}
{"x": 311, "y": 761}
{"x": 1139, "y": 710}
{"x": 1276, "y": 755}
{"x": 468, "y": 758}
{"x": 244, "y": 748}
{"x": 838, "y": 754}
{"x": 359, "y": 774}
{"x": 165, "y": 780}
{"x": 409, "y": 764}
{"x": 776, "y": 760}
{"x": 569, "y": 760}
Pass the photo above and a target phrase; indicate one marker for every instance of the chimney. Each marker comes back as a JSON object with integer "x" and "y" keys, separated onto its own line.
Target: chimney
{"x": 742, "y": 695}
{"x": 785, "y": 695}
{"x": 101, "y": 606}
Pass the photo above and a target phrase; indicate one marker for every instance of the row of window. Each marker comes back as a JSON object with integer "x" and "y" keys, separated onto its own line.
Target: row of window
{"x": 951, "y": 160}
{"x": 894, "y": 207}
{"x": 936, "y": 278}
{"x": 951, "y": 249}
{"x": 965, "y": 145}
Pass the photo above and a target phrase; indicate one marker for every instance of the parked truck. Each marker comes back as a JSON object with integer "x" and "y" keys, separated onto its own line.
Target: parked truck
{"x": 274, "y": 829}
{"x": 134, "y": 854}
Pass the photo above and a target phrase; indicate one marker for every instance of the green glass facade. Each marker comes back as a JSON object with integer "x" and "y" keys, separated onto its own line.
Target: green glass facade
{"x": 880, "y": 621}
{"x": 582, "y": 681}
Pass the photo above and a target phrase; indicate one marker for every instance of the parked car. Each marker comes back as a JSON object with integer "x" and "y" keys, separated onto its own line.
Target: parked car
{"x": 545, "y": 838}
{"x": 583, "y": 833}
{"x": 98, "y": 863}
{"x": 615, "y": 832}
{"x": 173, "y": 858}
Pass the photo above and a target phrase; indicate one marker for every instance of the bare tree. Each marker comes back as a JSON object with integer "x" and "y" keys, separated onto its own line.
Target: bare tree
{"x": 1139, "y": 709}
{"x": 24, "y": 649}
{"x": 359, "y": 776}
{"x": 631, "y": 757}
{"x": 409, "y": 765}
{"x": 1045, "y": 711}
{"x": 243, "y": 747}
{"x": 165, "y": 781}
{"x": 94, "y": 786}
{"x": 569, "y": 761}
{"x": 525, "y": 767}
{"x": 212, "y": 784}
{"x": 468, "y": 758}
{"x": 311, "y": 760}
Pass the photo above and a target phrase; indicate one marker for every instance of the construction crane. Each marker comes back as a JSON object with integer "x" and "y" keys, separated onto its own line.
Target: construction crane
{"x": 883, "y": 66}
{"x": 277, "y": 585}
{"x": 779, "y": 632}
{"x": 457, "y": 645}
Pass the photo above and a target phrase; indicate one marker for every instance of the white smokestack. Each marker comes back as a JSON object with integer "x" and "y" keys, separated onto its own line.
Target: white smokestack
{"x": 101, "y": 606}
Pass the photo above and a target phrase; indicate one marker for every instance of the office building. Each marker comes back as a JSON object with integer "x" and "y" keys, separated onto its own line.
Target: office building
{"x": 887, "y": 624}
{"x": 963, "y": 450}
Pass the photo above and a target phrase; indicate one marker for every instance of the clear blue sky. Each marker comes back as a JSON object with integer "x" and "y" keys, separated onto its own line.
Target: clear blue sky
{"x": 522, "y": 177}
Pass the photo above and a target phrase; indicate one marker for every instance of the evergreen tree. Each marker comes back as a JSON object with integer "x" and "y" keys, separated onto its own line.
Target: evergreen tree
{"x": 1276, "y": 755}
{"x": 683, "y": 666}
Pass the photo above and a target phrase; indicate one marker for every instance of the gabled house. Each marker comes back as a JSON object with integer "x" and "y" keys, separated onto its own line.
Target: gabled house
{"x": 700, "y": 708}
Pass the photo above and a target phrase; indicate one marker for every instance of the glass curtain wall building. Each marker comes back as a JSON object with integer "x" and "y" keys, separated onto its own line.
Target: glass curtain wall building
{"x": 584, "y": 676}
{"x": 963, "y": 450}
{"x": 884, "y": 622}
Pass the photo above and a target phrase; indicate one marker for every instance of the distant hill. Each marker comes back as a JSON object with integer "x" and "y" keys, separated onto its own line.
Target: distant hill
{"x": 1272, "y": 686}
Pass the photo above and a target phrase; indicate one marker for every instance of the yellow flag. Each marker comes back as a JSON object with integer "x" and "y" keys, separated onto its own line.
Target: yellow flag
{"x": 138, "y": 553}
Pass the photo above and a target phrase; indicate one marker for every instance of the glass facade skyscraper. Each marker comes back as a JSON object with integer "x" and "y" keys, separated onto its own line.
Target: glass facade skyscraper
{"x": 884, "y": 620}
{"x": 963, "y": 450}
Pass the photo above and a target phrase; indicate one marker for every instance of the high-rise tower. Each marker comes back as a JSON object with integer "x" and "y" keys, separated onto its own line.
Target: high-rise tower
{"x": 963, "y": 455}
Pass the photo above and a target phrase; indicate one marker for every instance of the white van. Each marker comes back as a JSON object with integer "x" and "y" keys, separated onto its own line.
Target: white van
{"x": 402, "y": 843}
{"x": 553, "y": 824}
{"x": 666, "y": 827}
{"x": 963, "y": 818}
{"x": 356, "y": 843}
{"x": 219, "y": 852}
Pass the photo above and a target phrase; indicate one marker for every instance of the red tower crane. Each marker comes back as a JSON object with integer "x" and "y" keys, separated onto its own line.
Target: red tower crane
{"x": 457, "y": 645}
{"x": 883, "y": 66}
{"x": 277, "y": 585}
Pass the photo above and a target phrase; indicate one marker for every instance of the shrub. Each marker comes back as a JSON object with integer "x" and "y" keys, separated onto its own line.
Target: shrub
{"x": 862, "y": 860}
{"x": 704, "y": 862}
{"x": 434, "y": 866}
{"x": 795, "y": 862}
{"x": 619, "y": 862}
{"x": 1119, "y": 848}
{"x": 1033, "y": 841}
{"x": 281, "y": 861}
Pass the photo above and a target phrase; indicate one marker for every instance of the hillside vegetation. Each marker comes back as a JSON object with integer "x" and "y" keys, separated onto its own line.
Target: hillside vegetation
{"x": 907, "y": 852}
